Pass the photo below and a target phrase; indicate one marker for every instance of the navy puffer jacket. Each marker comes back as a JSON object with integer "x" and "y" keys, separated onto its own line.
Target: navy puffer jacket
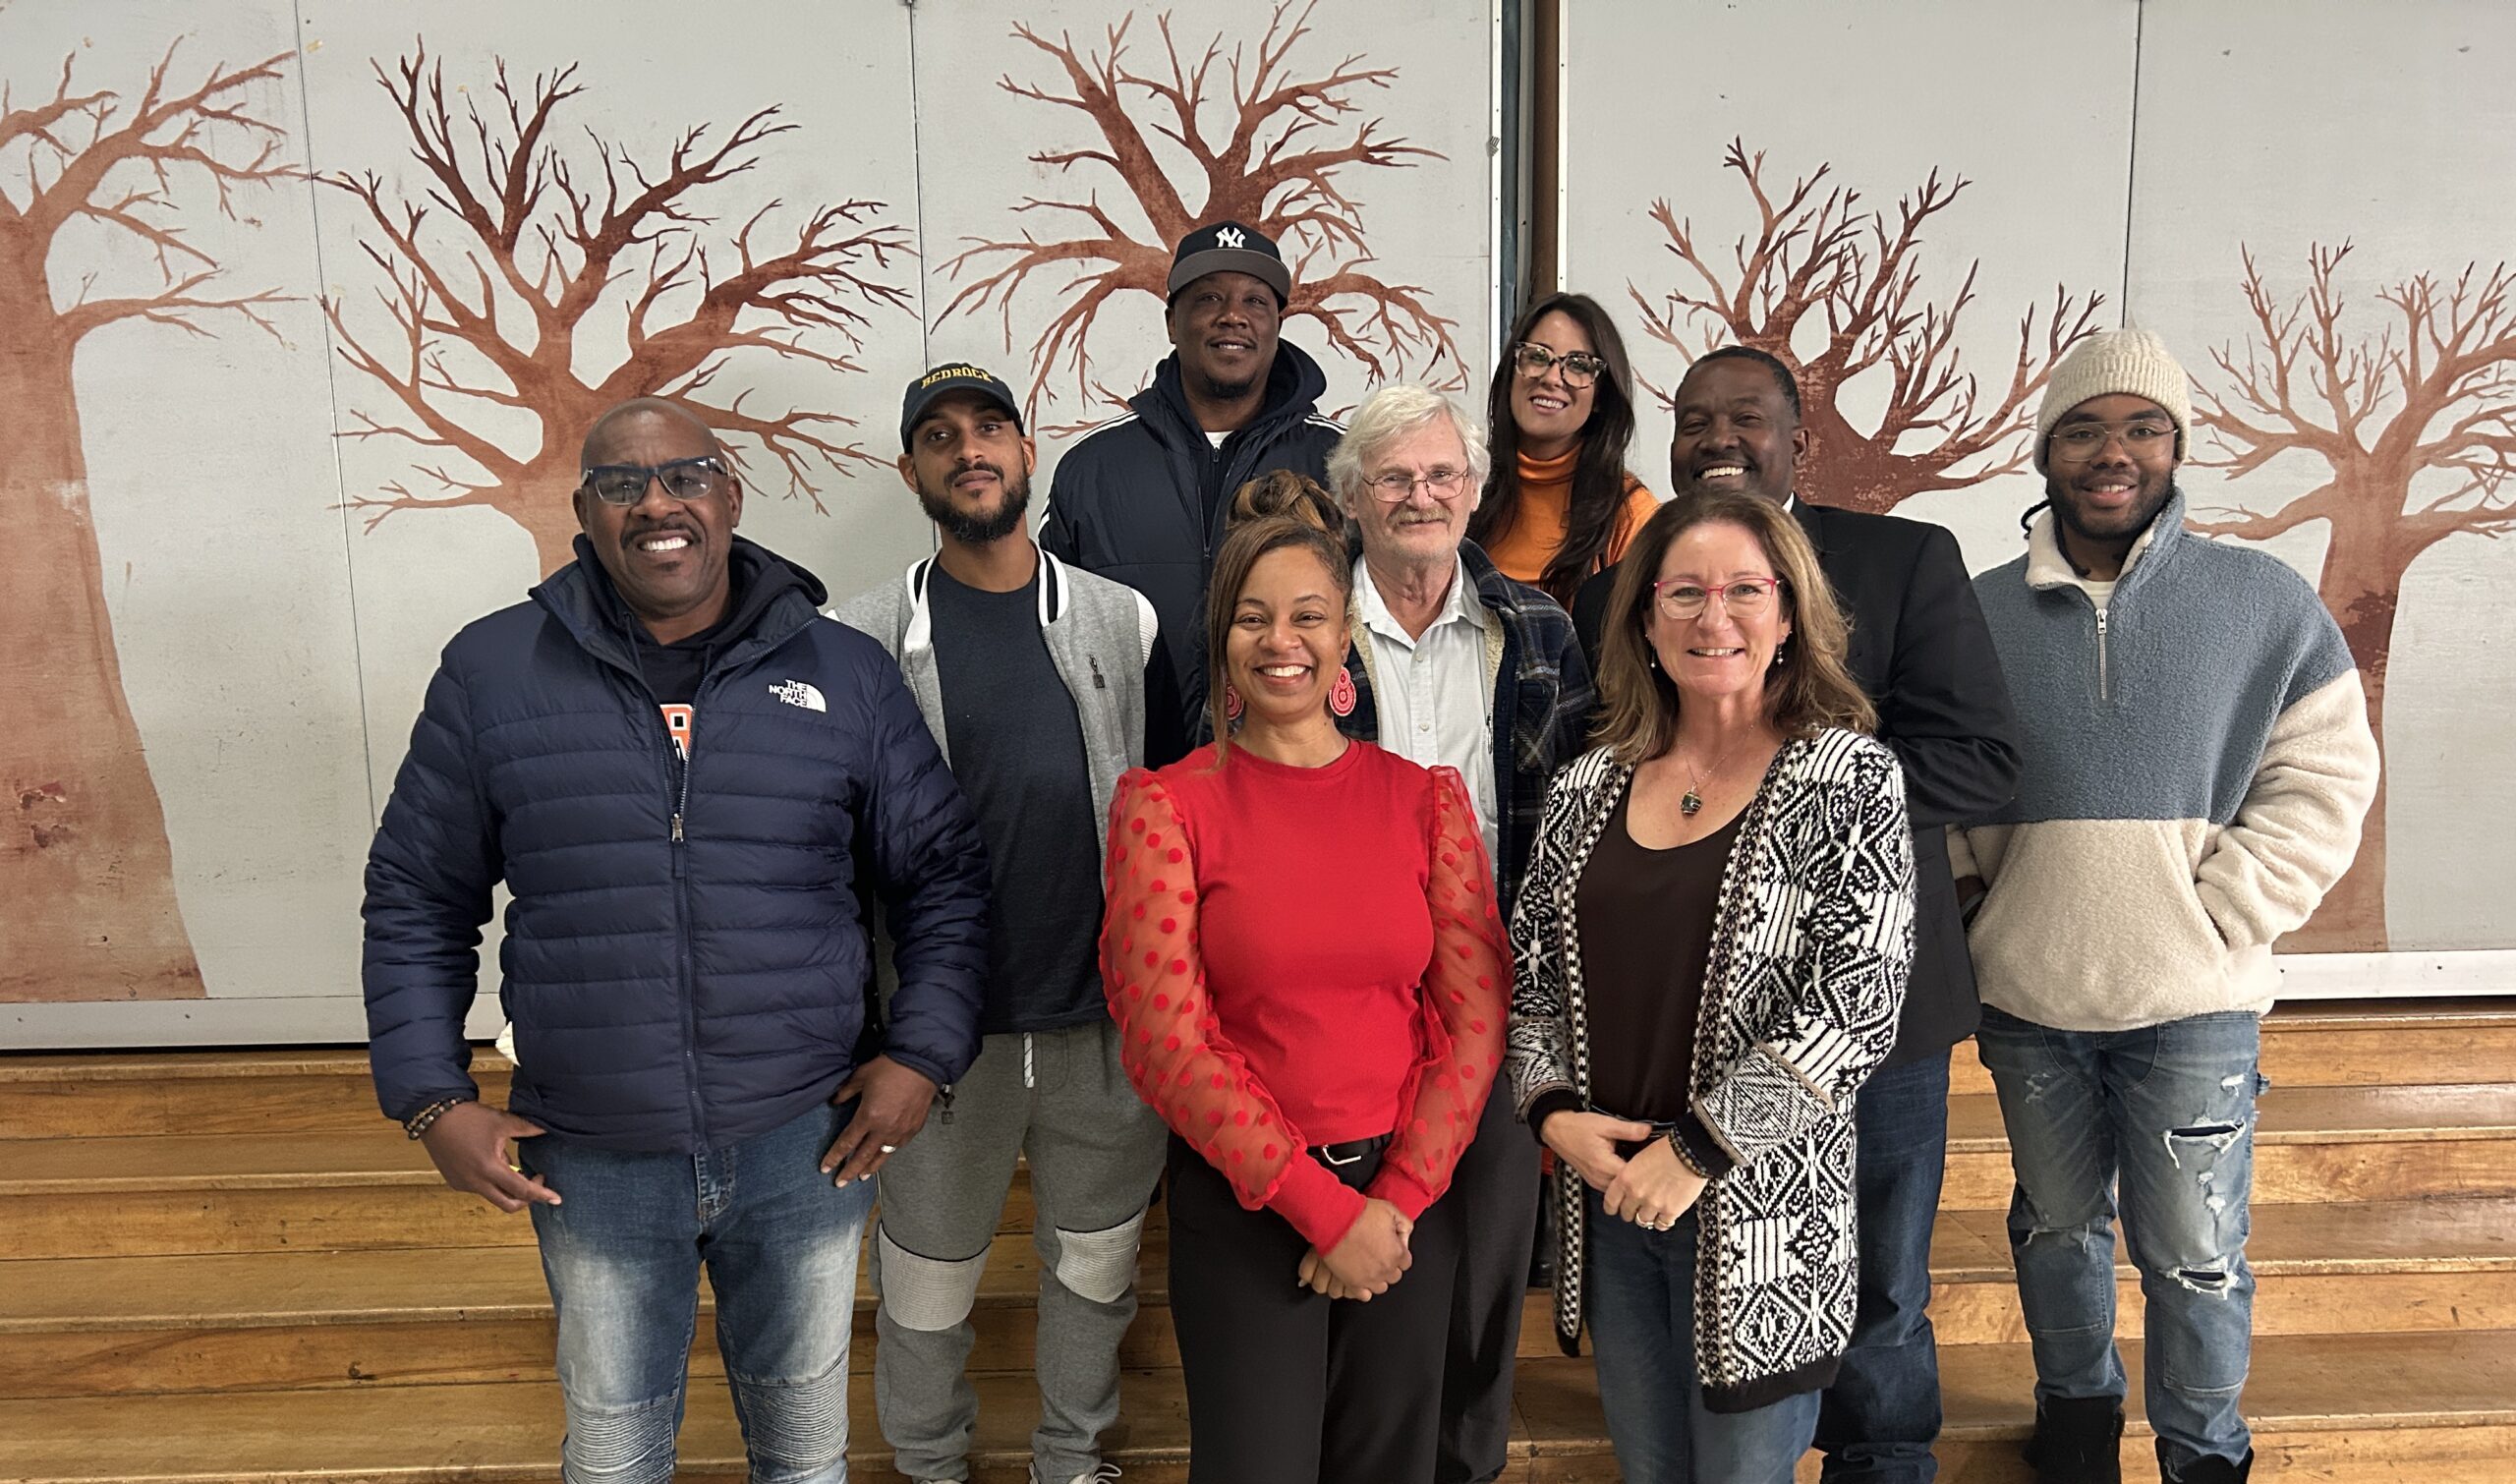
{"x": 671, "y": 989}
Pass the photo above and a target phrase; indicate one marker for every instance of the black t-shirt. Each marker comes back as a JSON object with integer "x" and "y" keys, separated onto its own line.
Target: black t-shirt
{"x": 1645, "y": 920}
{"x": 1016, "y": 746}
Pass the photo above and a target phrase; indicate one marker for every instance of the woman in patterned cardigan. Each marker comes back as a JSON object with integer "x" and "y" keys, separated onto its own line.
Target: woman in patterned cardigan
{"x": 1712, "y": 947}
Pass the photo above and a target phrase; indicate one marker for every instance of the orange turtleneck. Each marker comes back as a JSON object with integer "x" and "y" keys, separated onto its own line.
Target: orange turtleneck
{"x": 1546, "y": 497}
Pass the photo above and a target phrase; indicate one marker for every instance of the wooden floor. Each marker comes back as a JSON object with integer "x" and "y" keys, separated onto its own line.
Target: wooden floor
{"x": 226, "y": 1267}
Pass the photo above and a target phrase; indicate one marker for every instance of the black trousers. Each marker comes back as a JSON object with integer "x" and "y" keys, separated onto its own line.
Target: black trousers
{"x": 1286, "y": 1386}
{"x": 1492, "y": 1207}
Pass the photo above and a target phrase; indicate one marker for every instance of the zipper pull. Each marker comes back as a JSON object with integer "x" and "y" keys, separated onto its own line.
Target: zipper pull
{"x": 676, "y": 827}
{"x": 944, "y": 1095}
{"x": 1098, "y": 683}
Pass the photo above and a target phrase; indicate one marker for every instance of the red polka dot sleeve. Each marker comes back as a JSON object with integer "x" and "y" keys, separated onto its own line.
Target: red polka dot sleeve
{"x": 1174, "y": 1048}
{"x": 1468, "y": 987}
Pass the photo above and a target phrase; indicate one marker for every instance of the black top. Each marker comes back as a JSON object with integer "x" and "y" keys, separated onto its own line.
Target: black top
{"x": 673, "y": 670}
{"x": 1016, "y": 746}
{"x": 1646, "y": 923}
{"x": 1137, "y": 499}
{"x": 1922, "y": 654}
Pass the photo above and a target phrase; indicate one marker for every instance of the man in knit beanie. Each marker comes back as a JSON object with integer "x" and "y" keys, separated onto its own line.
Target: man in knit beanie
{"x": 2197, "y": 762}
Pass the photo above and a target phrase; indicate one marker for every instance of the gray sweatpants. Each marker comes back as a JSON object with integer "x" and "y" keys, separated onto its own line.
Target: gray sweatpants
{"x": 1062, "y": 1101}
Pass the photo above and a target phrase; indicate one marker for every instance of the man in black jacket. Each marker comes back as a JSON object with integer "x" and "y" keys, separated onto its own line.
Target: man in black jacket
{"x": 1921, "y": 651}
{"x": 1141, "y": 498}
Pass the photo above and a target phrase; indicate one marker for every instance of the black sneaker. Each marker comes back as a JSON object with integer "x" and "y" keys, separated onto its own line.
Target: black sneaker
{"x": 2078, "y": 1440}
{"x": 2209, "y": 1470}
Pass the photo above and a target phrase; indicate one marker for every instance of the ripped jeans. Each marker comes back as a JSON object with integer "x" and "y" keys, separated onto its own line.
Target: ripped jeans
{"x": 2171, "y": 1108}
{"x": 623, "y": 1255}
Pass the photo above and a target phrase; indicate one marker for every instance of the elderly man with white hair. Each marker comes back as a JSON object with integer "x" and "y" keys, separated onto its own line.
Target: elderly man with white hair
{"x": 1455, "y": 664}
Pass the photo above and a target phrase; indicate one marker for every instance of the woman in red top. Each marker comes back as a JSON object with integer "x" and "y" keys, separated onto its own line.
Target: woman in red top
{"x": 1304, "y": 958}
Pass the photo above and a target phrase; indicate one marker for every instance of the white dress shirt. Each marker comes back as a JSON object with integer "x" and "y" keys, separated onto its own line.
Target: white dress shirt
{"x": 1431, "y": 694}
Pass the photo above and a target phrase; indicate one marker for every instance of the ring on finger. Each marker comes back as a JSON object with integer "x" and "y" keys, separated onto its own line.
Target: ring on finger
{"x": 889, "y": 1148}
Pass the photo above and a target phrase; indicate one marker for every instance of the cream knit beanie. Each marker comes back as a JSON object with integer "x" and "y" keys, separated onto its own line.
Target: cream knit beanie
{"x": 2116, "y": 361}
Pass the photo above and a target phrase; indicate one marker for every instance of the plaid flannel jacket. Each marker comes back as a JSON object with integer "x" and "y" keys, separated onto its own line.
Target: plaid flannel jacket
{"x": 1542, "y": 702}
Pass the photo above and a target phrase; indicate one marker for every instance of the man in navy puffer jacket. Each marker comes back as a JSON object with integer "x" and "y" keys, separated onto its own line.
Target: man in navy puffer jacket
{"x": 678, "y": 768}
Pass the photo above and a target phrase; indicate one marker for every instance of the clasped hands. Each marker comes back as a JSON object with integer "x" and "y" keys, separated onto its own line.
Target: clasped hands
{"x": 1652, "y": 1189}
{"x": 1366, "y": 1260}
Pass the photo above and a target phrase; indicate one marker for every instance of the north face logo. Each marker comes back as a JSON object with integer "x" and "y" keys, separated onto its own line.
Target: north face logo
{"x": 1229, "y": 237}
{"x": 797, "y": 693}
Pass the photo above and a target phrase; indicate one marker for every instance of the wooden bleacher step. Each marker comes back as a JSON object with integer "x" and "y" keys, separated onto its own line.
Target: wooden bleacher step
{"x": 2355, "y": 1409}
{"x": 2311, "y": 1144}
{"x": 167, "y": 1195}
{"x": 2362, "y": 1042}
{"x": 90, "y": 1327}
{"x": 227, "y": 1267}
{"x": 2321, "y": 1044}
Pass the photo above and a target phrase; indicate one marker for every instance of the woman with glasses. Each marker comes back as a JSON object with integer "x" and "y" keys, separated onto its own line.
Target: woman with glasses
{"x": 1560, "y": 505}
{"x": 1303, "y": 957}
{"x": 1713, "y": 945}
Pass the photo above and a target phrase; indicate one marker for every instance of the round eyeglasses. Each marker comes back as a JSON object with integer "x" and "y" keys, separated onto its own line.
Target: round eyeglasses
{"x": 2142, "y": 437}
{"x": 1580, "y": 367}
{"x": 1740, "y": 596}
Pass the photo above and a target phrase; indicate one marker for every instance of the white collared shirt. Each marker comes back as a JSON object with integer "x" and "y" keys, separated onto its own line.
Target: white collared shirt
{"x": 1430, "y": 694}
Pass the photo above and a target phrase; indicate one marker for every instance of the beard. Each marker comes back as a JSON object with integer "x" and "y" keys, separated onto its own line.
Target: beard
{"x": 1218, "y": 390}
{"x": 2125, "y": 527}
{"x": 972, "y": 529}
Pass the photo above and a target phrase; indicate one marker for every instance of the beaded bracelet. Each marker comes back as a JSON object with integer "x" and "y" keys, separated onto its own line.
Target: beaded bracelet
{"x": 419, "y": 1123}
{"x": 1687, "y": 1155}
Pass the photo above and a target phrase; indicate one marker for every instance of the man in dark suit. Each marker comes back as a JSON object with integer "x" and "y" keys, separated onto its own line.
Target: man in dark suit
{"x": 1921, "y": 651}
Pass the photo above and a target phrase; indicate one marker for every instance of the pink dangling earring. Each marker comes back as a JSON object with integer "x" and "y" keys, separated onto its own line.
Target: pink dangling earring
{"x": 1230, "y": 703}
{"x": 1340, "y": 696}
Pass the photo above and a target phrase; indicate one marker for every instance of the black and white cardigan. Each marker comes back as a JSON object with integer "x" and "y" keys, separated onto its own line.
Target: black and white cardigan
{"x": 1812, "y": 940}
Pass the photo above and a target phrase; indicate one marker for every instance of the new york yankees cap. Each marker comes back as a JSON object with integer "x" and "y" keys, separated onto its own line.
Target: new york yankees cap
{"x": 948, "y": 378}
{"x": 1229, "y": 247}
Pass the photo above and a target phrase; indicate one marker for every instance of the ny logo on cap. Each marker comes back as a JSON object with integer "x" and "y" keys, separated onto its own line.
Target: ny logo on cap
{"x": 1229, "y": 237}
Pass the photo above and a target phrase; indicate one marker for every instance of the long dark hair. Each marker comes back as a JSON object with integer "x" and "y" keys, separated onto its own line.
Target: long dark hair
{"x": 1598, "y": 474}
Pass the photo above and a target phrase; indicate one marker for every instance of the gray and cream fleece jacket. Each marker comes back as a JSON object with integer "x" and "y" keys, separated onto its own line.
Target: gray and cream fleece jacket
{"x": 2197, "y": 763}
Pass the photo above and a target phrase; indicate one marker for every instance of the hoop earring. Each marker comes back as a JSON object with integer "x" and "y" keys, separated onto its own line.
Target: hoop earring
{"x": 1340, "y": 696}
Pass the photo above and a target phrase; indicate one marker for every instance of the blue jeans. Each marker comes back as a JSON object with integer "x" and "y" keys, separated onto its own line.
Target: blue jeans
{"x": 1638, "y": 1297}
{"x": 2171, "y": 1108}
{"x": 1882, "y": 1415}
{"x": 622, "y": 1254}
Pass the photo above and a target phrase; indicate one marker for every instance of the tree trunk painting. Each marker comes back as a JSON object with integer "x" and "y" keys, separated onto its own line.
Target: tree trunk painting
{"x": 84, "y": 863}
{"x": 1272, "y": 167}
{"x": 1828, "y": 263}
{"x": 2429, "y": 401}
{"x": 503, "y": 269}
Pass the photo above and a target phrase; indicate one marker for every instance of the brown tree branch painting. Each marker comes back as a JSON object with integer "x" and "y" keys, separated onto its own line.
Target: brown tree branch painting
{"x": 1268, "y": 147}
{"x": 509, "y": 273}
{"x": 1818, "y": 258}
{"x": 84, "y": 863}
{"x": 2415, "y": 427}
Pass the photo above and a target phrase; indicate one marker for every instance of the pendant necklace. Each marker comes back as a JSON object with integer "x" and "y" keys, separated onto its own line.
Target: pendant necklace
{"x": 1691, "y": 803}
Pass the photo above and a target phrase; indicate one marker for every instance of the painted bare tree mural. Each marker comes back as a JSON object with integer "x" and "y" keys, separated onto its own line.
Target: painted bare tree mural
{"x": 2415, "y": 428}
{"x": 84, "y": 863}
{"x": 1832, "y": 287}
{"x": 1256, "y": 139}
{"x": 532, "y": 243}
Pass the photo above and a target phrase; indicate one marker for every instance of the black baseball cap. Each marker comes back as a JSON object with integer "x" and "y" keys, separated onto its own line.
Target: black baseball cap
{"x": 1229, "y": 247}
{"x": 948, "y": 378}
